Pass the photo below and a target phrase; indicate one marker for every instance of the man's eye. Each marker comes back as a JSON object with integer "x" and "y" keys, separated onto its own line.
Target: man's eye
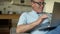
{"x": 39, "y": 3}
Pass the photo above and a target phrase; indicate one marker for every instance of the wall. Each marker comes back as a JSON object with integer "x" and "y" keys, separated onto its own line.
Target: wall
{"x": 27, "y": 2}
{"x": 19, "y": 9}
{"x": 49, "y": 5}
{"x": 14, "y": 8}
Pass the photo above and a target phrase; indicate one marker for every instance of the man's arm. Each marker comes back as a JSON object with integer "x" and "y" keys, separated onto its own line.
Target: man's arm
{"x": 26, "y": 27}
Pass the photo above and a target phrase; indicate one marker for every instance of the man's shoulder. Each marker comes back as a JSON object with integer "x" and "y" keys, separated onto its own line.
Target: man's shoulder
{"x": 25, "y": 13}
{"x": 28, "y": 12}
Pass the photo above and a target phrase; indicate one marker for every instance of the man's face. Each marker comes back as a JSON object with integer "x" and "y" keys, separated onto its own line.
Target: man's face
{"x": 38, "y": 5}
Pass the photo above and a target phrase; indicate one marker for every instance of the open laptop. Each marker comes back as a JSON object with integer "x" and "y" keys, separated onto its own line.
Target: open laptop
{"x": 55, "y": 21}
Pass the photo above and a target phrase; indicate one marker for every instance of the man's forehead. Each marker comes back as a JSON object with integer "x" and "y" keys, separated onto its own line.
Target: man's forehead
{"x": 39, "y": 0}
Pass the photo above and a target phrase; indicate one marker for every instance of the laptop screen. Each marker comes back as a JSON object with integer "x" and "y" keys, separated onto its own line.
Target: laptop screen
{"x": 56, "y": 15}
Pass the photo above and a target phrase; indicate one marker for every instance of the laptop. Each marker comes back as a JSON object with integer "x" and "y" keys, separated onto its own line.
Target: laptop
{"x": 55, "y": 21}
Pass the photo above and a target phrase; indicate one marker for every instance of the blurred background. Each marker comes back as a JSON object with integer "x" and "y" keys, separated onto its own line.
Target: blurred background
{"x": 10, "y": 11}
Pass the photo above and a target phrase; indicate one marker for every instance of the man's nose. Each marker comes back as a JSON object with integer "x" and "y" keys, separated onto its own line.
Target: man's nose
{"x": 41, "y": 5}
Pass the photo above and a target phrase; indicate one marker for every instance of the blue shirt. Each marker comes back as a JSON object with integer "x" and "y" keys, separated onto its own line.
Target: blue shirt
{"x": 30, "y": 17}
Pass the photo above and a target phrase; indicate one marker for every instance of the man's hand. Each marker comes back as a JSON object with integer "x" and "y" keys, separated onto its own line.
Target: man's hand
{"x": 44, "y": 16}
{"x": 41, "y": 18}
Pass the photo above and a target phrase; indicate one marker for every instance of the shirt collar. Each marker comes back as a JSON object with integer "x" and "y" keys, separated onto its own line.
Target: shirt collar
{"x": 36, "y": 12}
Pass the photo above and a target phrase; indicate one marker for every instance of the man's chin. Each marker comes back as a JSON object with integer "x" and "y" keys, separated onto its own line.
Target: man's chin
{"x": 40, "y": 11}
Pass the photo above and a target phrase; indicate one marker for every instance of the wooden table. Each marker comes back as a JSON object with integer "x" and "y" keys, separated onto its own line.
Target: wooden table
{"x": 6, "y": 30}
{"x": 9, "y": 16}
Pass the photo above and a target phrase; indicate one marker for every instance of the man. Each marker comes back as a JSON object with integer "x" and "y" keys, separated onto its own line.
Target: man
{"x": 34, "y": 20}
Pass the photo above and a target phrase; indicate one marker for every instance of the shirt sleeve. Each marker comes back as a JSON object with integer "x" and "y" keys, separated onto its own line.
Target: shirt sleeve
{"x": 22, "y": 19}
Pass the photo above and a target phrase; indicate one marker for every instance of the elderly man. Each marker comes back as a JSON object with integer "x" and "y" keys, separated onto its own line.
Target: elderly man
{"x": 34, "y": 20}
